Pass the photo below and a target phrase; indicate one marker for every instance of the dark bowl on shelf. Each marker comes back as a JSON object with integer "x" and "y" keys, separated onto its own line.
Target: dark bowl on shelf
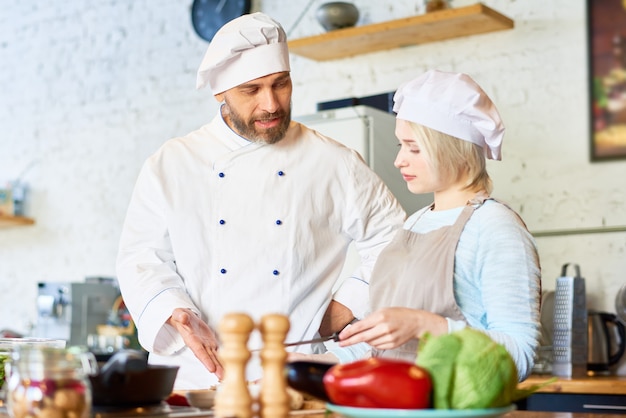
{"x": 337, "y": 15}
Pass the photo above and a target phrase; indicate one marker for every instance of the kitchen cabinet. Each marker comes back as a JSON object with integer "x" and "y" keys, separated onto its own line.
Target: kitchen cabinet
{"x": 593, "y": 394}
{"x": 10, "y": 221}
{"x": 429, "y": 27}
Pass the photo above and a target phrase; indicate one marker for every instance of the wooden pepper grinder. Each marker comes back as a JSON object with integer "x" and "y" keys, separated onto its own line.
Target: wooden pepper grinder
{"x": 233, "y": 398}
{"x": 274, "y": 400}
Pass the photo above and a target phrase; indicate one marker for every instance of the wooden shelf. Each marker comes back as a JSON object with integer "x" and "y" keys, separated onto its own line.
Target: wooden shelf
{"x": 9, "y": 221}
{"x": 430, "y": 27}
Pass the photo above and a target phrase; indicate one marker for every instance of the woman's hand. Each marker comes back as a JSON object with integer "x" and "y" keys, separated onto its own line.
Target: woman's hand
{"x": 389, "y": 328}
{"x": 199, "y": 337}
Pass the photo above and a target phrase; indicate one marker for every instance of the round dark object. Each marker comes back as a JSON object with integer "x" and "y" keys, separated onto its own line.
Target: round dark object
{"x": 337, "y": 15}
{"x": 208, "y": 16}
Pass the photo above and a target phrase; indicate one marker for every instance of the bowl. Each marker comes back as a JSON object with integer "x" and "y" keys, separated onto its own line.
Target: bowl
{"x": 337, "y": 15}
{"x": 7, "y": 344}
{"x": 201, "y": 398}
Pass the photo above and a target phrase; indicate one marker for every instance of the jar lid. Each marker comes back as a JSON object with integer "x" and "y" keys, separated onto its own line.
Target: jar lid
{"x": 8, "y": 344}
{"x": 37, "y": 360}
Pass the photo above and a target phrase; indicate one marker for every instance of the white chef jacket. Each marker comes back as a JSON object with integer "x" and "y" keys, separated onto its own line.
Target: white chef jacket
{"x": 219, "y": 224}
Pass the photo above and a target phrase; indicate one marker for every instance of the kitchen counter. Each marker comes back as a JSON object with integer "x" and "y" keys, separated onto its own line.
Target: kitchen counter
{"x": 587, "y": 394}
{"x": 603, "y": 385}
{"x": 577, "y": 387}
{"x": 527, "y": 414}
{"x": 514, "y": 414}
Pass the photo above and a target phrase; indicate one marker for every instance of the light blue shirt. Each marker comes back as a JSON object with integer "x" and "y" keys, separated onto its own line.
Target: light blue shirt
{"x": 497, "y": 279}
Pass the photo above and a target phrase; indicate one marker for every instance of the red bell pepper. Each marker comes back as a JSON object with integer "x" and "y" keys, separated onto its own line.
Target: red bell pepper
{"x": 379, "y": 383}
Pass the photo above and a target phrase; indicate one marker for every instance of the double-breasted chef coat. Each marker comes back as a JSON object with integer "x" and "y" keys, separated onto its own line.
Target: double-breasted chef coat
{"x": 219, "y": 224}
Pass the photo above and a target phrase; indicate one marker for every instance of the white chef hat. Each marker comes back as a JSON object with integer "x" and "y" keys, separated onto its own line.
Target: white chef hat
{"x": 248, "y": 47}
{"x": 454, "y": 104}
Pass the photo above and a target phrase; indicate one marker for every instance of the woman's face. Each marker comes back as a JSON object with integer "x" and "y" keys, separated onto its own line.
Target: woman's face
{"x": 413, "y": 163}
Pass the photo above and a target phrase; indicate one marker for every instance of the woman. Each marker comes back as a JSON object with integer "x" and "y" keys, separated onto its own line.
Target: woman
{"x": 467, "y": 259}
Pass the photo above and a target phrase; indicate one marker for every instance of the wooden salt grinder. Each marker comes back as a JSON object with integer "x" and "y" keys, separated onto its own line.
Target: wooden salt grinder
{"x": 274, "y": 400}
{"x": 233, "y": 398}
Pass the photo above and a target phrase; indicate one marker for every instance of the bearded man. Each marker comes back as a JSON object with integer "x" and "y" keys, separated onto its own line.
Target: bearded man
{"x": 252, "y": 213}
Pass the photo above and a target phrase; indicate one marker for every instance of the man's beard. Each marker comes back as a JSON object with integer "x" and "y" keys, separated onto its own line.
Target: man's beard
{"x": 248, "y": 129}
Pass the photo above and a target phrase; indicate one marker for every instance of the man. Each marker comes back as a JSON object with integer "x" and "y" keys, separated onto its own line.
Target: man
{"x": 251, "y": 213}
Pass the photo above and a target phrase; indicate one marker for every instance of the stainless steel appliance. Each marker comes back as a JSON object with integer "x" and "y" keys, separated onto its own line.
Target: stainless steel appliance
{"x": 370, "y": 132}
{"x": 620, "y": 304}
{"x": 543, "y": 356}
{"x": 570, "y": 325}
{"x": 72, "y": 311}
{"x": 607, "y": 342}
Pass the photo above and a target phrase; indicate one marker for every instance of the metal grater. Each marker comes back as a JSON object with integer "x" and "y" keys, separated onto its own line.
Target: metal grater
{"x": 570, "y": 325}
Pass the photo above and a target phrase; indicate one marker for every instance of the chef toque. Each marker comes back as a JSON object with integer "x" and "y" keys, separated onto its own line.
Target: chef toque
{"x": 453, "y": 104}
{"x": 248, "y": 47}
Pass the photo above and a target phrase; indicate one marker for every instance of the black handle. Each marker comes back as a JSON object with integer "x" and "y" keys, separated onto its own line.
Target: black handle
{"x": 610, "y": 318}
{"x": 566, "y": 265}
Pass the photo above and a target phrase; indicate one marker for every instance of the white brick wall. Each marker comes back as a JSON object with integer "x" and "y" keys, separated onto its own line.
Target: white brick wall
{"x": 89, "y": 89}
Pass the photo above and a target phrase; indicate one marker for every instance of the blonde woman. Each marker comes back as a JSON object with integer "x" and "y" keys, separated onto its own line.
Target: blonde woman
{"x": 467, "y": 260}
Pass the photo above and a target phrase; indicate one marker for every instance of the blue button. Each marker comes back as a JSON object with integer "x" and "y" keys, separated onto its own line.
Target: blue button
{"x": 276, "y": 272}
{"x": 222, "y": 222}
{"x": 223, "y": 271}
{"x": 221, "y": 174}
{"x": 279, "y": 222}
{"x": 281, "y": 173}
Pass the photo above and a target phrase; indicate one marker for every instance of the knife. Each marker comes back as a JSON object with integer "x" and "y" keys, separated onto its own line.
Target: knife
{"x": 334, "y": 337}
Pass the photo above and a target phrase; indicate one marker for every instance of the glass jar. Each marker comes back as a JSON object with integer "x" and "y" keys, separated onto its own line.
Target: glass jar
{"x": 50, "y": 382}
{"x": 7, "y": 345}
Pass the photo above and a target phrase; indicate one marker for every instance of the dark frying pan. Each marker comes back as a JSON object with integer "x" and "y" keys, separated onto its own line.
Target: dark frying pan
{"x": 127, "y": 380}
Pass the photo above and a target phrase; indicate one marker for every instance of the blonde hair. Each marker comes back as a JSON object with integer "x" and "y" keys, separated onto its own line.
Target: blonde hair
{"x": 454, "y": 158}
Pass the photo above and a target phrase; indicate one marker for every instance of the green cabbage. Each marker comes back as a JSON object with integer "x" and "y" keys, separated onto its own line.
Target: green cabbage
{"x": 3, "y": 358}
{"x": 469, "y": 370}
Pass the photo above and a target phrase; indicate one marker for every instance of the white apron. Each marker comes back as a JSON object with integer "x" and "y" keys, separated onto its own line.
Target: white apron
{"x": 417, "y": 271}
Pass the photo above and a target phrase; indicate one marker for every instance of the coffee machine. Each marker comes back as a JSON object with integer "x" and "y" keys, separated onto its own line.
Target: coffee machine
{"x": 73, "y": 310}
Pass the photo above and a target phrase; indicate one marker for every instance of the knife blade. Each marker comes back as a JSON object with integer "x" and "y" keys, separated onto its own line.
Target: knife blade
{"x": 334, "y": 337}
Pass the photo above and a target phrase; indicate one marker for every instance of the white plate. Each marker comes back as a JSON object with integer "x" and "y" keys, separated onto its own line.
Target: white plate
{"x": 418, "y": 413}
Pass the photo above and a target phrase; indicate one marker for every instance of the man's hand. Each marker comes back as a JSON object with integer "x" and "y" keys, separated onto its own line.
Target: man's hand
{"x": 200, "y": 339}
{"x": 335, "y": 319}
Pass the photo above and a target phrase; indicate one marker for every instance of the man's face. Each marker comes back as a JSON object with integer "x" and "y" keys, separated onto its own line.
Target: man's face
{"x": 259, "y": 110}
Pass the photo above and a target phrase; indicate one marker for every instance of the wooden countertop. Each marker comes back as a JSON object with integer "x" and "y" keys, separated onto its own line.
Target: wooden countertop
{"x": 613, "y": 385}
{"x": 514, "y": 414}
{"x": 536, "y": 414}
{"x": 597, "y": 385}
